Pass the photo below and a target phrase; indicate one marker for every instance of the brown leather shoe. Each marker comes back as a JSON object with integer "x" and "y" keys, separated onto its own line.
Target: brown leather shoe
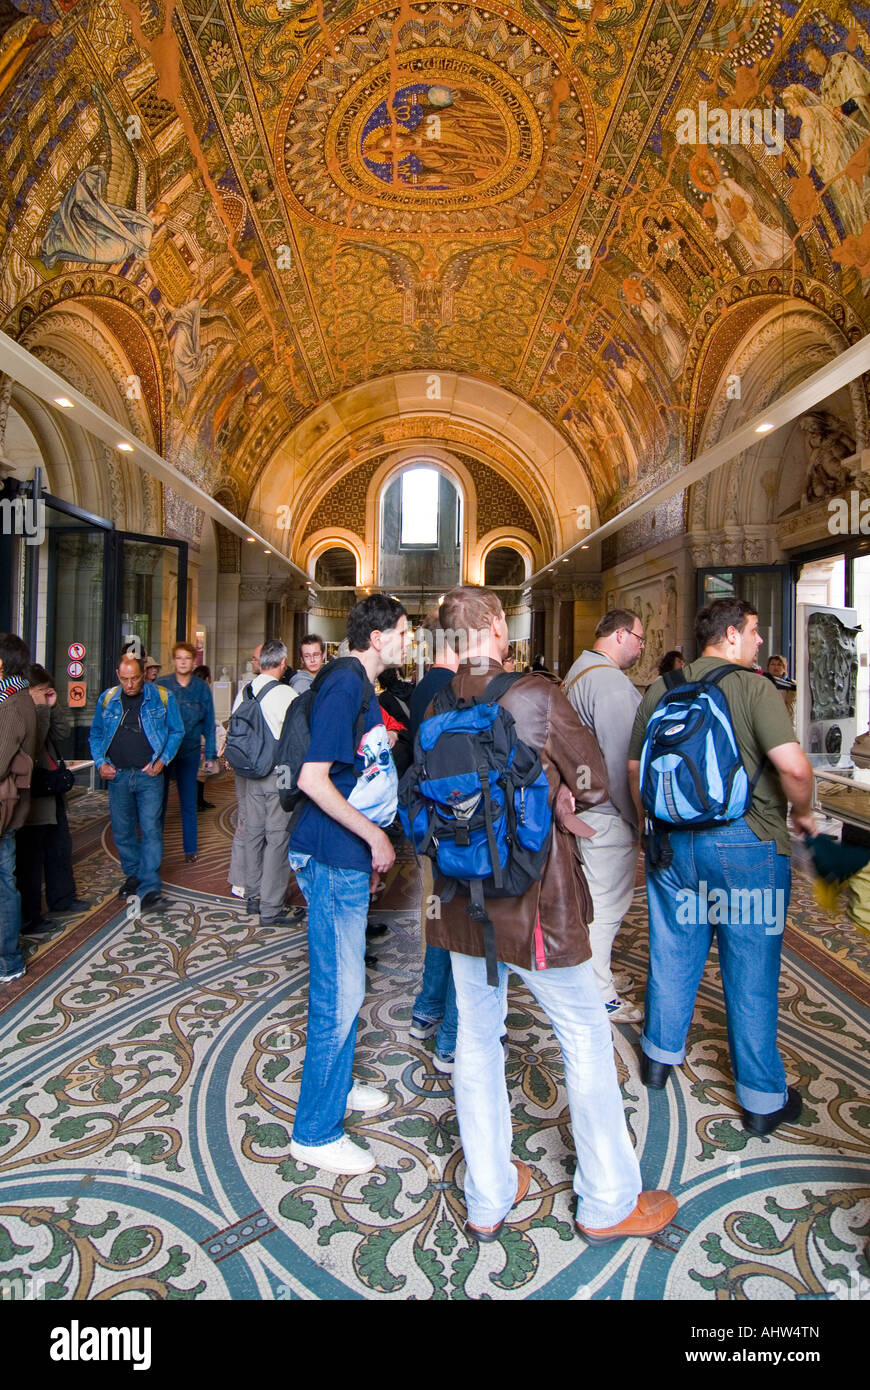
{"x": 485, "y": 1234}
{"x": 653, "y": 1212}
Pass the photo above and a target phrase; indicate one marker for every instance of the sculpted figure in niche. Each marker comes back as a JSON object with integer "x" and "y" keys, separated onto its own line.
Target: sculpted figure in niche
{"x": 828, "y": 444}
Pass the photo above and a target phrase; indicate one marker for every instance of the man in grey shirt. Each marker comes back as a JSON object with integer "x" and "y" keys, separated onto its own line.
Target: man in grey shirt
{"x": 312, "y": 649}
{"x": 607, "y": 702}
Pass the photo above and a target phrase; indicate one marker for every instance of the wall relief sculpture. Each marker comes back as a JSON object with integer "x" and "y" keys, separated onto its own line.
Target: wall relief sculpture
{"x": 833, "y": 667}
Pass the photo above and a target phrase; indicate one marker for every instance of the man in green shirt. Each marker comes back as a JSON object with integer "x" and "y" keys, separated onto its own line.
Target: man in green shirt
{"x": 734, "y": 877}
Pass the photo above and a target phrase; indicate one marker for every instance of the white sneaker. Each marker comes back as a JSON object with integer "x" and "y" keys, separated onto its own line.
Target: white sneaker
{"x": 368, "y": 1099}
{"x": 7, "y": 979}
{"x": 341, "y": 1156}
{"x": 621, "y": 1011}
{"x": 237, "y": 891}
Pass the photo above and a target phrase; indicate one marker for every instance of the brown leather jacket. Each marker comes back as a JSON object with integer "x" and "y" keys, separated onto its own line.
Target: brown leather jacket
{"x": 549, "y": 724}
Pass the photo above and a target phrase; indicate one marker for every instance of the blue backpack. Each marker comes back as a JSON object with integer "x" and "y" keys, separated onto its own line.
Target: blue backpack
{"x": 476, "y": 801}
{"x": 691, "y": 772}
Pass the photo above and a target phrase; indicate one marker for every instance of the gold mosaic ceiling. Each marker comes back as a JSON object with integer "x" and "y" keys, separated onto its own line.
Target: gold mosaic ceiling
{"x": 302, "y": 197}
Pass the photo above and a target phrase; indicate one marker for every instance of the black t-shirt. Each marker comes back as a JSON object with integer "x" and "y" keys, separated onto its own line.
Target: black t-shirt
{"x": 434, "y": 680}
{"x": 130, "y": 747}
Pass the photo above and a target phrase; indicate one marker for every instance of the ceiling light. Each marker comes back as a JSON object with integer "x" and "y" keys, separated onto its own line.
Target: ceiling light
{"x": 584, "y": 547}
{"x": 763, "y": 429}
{"x": 64, "y": 401}
{"x": 266, "y": 552}
{"x": 124, "y": 447}
{"x": 249, "y": 539}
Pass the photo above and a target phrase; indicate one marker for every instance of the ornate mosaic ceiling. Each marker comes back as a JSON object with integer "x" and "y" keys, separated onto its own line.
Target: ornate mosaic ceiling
{"x": 296, "y": 198}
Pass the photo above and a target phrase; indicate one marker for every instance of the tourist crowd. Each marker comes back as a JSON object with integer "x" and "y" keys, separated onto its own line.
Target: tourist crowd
{"x": 527, "y": 803}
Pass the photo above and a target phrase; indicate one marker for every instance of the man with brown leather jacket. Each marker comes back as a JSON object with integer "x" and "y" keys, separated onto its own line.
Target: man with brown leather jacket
{"x": 543, "y": 936}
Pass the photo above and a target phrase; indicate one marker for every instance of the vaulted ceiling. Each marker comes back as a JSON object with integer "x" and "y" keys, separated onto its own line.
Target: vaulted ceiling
{"x": 268, "y": 204}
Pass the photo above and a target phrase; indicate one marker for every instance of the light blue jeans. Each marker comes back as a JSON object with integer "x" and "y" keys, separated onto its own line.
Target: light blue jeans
{"x": 607, "y": 1177}
{"x": 338, "y": 905}
{"x": 436, "y": 1002}
{"x": 728, "y": 874}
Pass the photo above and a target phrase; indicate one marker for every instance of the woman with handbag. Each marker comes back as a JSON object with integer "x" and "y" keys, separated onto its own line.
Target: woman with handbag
{"x": 44, "y": 843}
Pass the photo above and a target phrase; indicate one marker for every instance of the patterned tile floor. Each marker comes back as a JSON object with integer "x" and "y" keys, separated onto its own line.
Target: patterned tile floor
{"x": 149, "y": 1068}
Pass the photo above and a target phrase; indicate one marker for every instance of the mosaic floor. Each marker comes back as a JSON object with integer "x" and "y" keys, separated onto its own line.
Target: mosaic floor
{"x": 148, "y": 1072}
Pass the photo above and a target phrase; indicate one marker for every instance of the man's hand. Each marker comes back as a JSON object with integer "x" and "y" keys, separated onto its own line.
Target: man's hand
{"x": 51, "y": 697}
{"x": 211, "y": 765}
{"x": 107, "y": 772}
{"x": 564, "y": 814}
{"x": 154, "y": 769}
{"x": 383, "y": 854}
{"x": 803, "y": 823}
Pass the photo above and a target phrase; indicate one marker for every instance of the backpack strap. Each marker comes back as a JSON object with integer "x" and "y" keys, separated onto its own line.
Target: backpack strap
{"x": 266, "y": 688}
{"x": 499, "y": 685}
{"x": 348, "y": 663}
{"x": 164, "y": 695}
{"x": 478, "y": 913}
{"x": 599, "y": 666}
{"x": 108, "y": 695}
{"x": 674, "y": 678}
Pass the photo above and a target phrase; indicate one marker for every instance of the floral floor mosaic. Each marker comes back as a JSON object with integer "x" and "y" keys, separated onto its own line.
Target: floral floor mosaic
{"x": 148, "y": 1072}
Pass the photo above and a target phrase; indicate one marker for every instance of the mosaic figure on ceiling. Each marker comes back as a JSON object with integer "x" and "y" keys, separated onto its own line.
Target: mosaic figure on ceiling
{"x": 439, "y": 138}
{"x": 21, "y": 37}
{"x": 828, "y": 140}
{"x": 845, "y": 82}
{"x": 646, "y": 307}
{"x": 102, "y": 219}
{"x": 732, "y": 208}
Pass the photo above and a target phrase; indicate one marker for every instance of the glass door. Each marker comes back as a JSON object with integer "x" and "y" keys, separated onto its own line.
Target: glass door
{"x": 152, "y": 593}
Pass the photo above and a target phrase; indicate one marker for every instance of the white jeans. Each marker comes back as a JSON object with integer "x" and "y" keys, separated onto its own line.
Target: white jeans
{"x": 610, "y": 864}
{"x": 607, "y": 1176}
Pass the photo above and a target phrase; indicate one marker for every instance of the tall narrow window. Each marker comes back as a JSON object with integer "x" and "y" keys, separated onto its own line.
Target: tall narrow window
{"x": 420, "y": 507}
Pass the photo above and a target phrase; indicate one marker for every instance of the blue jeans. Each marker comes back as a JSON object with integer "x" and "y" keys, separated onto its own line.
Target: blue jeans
{"x": 743, "y": 884}
{"x": 338, "y": 905}
{"x": 11, "y": 959}
{"x": 136, "y": 810}
{"x": 436, "y": 1001}
{"x": 607, "y": 1176}
{"x": 183, "y": 768}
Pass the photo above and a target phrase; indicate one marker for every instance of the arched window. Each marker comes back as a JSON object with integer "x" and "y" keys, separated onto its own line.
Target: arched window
{"x": 336, "y": 568}
{"x": 421, "y": 530}
{"x": 504, "y": 568}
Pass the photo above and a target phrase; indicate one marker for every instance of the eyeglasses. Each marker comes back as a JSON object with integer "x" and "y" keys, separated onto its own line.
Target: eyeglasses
{"x": 641, "y": 641}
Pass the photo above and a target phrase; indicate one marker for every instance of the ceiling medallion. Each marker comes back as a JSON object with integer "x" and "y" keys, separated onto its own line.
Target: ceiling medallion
{"x": 460, "y": 133}
{"x": 472, "y": 132}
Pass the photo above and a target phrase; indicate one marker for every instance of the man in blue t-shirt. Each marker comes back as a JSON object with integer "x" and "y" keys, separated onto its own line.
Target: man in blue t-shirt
{"x": 337, "y": 852}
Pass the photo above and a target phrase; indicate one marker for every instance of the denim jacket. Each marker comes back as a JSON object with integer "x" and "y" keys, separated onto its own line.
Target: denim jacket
{"x": 161, "y": 722}
{"x": 196, "y": 707}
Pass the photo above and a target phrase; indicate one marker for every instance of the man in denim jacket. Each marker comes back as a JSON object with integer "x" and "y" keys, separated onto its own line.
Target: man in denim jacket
{"x": 136, "y": 731}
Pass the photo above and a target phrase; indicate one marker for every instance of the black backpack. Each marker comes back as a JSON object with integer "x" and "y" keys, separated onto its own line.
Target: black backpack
{"x": 296, "y": 734}
{"x": 251, "y": 745}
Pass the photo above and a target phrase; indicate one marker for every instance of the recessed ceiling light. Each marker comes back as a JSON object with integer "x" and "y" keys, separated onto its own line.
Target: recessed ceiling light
{"x": 64, "y": 401}
{"x": 125, "y": 447}
{"x": 266, "y": 552}
{"x": 763, "y": 429}
{"x": 250, "y": 540}
{"x": 584, "y": 547}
